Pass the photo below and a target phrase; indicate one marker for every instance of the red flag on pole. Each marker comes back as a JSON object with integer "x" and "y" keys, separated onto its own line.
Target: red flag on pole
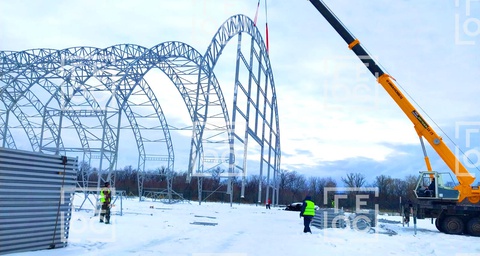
{"x": 266, "y": 32}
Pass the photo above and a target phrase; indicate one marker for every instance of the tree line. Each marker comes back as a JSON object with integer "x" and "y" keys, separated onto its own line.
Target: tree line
{"x": 384, "y": 191}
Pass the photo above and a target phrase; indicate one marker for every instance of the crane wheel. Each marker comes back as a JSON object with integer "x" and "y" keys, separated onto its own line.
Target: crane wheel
{"x": 438, "y": 224}
{"x": 453, "y": 225}
{"x": 473, "y": 226}
{"x": 474, "y": 199}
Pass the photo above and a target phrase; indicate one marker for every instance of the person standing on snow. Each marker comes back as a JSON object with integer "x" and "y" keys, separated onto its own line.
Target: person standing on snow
{"x": 307, "y": 212}
{"x": 105, "y": 199}
{"x": 269, "y": 202}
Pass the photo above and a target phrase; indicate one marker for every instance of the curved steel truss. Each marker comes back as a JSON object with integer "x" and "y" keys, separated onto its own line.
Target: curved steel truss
{"x": 81, "y": 100}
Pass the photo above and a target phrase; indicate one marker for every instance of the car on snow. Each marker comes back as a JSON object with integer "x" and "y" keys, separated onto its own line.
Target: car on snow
{"x": 297, "y": 206}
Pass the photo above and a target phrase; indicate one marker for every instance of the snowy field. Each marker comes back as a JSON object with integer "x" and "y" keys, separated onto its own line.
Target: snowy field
{"x": 216, "y": 229}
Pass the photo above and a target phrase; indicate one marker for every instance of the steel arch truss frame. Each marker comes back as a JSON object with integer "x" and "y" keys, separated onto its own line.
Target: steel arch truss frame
{"x": 260, "y": 112}
{"x": 175, "y": 60}
{"x": 46, "y": 72}
{"x": 73, "y": 78}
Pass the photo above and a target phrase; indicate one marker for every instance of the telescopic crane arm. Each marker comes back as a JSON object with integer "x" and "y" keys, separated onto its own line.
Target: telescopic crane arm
{"x": 422, "y": 128}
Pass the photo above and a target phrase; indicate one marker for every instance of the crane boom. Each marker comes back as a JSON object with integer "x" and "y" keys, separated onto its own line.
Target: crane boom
{"x": 423, "y": 129}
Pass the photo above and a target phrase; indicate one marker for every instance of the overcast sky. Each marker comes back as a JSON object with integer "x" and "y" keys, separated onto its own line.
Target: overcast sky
{"x": 334, "y": 117}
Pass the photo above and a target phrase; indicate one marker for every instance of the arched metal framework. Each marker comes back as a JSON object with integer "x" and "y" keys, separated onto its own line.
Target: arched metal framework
{"x": 80, "y": 99}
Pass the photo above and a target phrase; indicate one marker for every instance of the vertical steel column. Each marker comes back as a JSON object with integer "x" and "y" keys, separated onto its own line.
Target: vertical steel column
{"x": 234, "y": 109}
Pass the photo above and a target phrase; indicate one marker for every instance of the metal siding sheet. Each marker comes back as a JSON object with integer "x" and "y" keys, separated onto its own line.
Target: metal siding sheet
{"x": 31, "y": 195}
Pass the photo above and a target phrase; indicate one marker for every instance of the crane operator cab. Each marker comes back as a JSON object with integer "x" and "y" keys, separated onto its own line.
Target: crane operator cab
{"x": 432, "y": 185}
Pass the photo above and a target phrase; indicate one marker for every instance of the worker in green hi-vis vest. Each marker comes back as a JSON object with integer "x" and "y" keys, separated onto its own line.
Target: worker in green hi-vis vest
{"x": 105, "y": 199}
{"x": 307, "y": 212}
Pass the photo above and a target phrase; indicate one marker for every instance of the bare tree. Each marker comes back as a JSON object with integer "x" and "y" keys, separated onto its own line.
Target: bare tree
{"x": 314, "y": 188}
{"x": 293, "y": 186}
{"x": 411, "y": 183}
{"x": 384, "y": 184}
{"x": 389, "y": 190}
{"x": 317, "y": 185}
{"x": 282, "y": 177}
{"x": 298, "y": 185}
{"x": 354, "y": 180}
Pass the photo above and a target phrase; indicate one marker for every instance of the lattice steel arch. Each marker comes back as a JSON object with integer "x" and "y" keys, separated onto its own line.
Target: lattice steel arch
{"x": 38, "y": 72}
{"x": 54, "y": 89}
{"x": 91, "y": 56}
{"x": 209, "y": 103}
{"x": 114, "y": 58}
{"x": 184, "y": 51}
{"x": 28, "y": 72}
{"x": 101, "y": 63}
{"x": 12, "y": 63}
{"x": 125, "y": 104}
{"x": 269, "y": 143}
{"x": 87, "y": 53}
{"x": 166, "y": 51}
{"x": 179, "y": 62}
{"x": 113, "y": 61}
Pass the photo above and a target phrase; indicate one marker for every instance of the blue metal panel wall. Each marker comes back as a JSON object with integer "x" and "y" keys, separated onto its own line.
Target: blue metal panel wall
{"x": 36, "y": 193}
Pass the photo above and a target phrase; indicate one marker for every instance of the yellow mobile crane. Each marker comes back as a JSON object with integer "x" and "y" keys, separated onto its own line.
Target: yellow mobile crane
{"x": 455, "y": 208}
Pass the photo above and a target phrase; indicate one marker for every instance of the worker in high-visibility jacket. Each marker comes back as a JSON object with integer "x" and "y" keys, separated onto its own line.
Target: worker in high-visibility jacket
{"x": 307, "y": 212}
{"x": 105, "y": 199}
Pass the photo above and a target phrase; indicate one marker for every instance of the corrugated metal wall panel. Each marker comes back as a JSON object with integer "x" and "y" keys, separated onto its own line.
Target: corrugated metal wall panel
{"x": 36, "y": 193}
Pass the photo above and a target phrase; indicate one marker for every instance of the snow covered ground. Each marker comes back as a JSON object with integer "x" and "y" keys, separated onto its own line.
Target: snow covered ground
{"x": 218, "y": 229}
